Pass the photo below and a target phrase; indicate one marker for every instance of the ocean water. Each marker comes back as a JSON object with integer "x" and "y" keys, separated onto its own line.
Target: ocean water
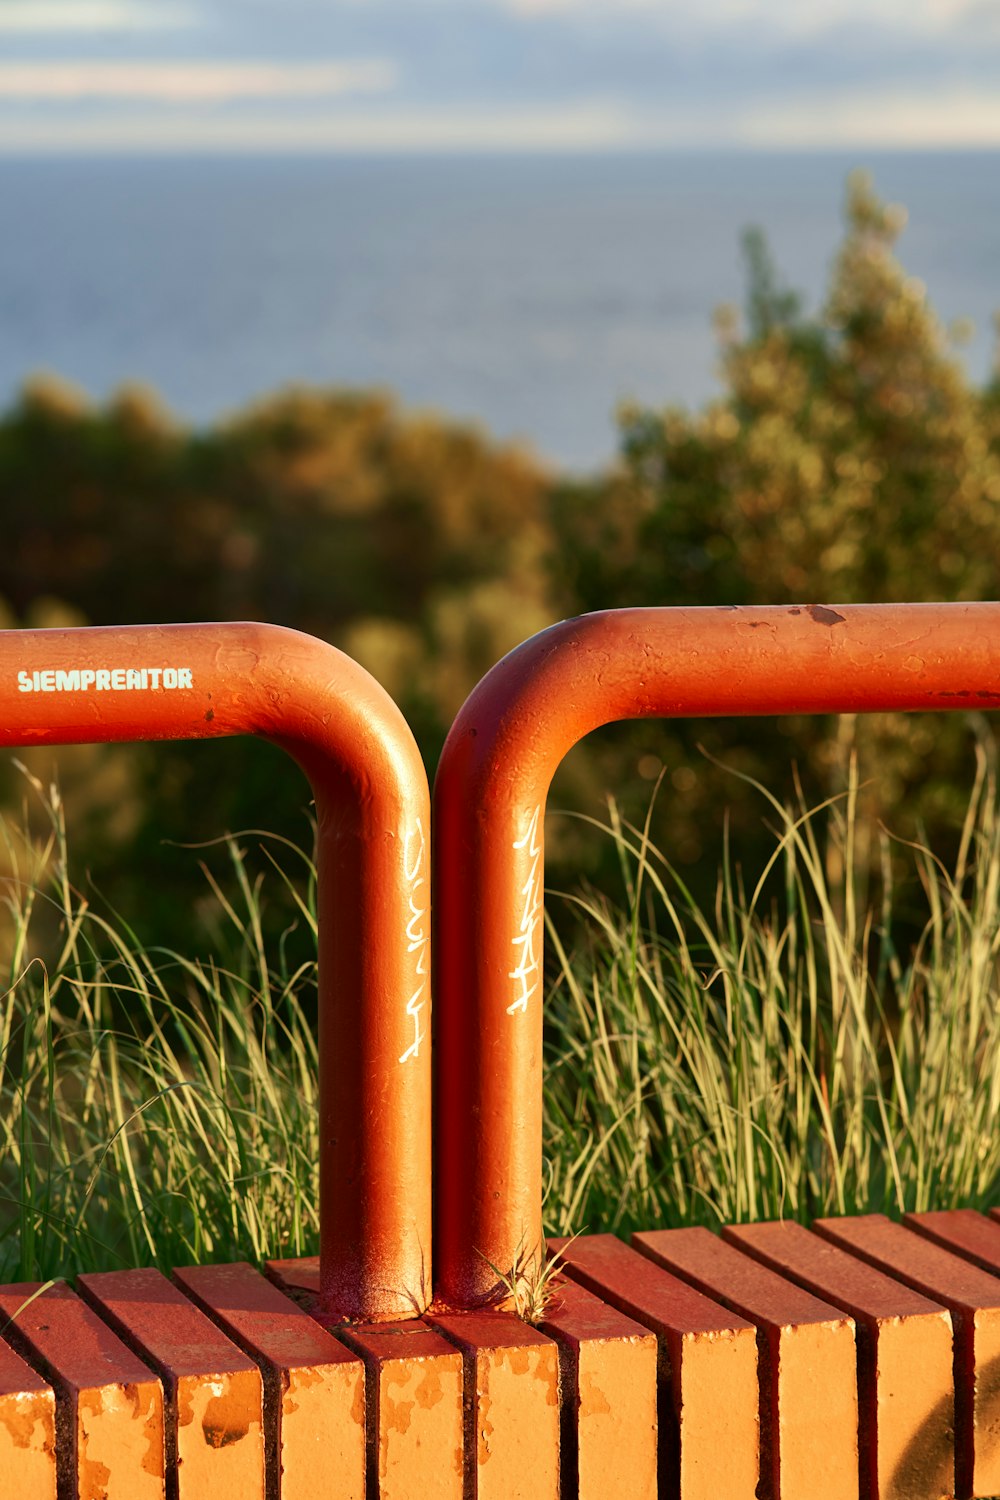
{"x": 528, "y": 294}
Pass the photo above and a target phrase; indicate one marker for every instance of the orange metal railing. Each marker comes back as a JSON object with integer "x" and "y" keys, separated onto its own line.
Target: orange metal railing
{"x": 489, "y": 803}
{"x": 160, "y": 682}
{"x": 689, "y": 1365}
{"x": 203, "y": 681}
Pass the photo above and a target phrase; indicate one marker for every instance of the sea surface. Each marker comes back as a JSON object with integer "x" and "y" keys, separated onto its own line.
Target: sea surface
{"x": 530, "y": 295}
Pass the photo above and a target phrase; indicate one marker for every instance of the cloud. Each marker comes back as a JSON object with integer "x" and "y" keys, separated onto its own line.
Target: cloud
{"x": 772, "y": 18}
{"x": 591, "y": 127}
{"x": 503, "y": 75}
{"x": 869, "y": 120}
{"x": 47, "y": 17}
{"x": 189, "y": 82}
{"x": 886, "y": 118}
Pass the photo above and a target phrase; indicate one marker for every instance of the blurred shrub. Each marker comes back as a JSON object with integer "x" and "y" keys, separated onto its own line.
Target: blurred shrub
{"x": 847, "y": 458}
{"x": 415, "y": 544}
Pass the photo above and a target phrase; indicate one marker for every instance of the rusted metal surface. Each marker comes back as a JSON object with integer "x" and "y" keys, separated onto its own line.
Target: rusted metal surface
{"x": 27, "y": 1430}
{"x": 214, "y": 1412}
{"x": 807, "y": 1363}
{"x": 109, "y": 1405}
{"x": 973, "y": 1299}
{"x": 608, "y": 1393}
{"x": 162, "y": 682}
{"x": 489, "y": 803}
{"x": 905, "y": 1380}
{"x": 708, "y": 1406}
{"x": 314, "y": 1388}
{"x": 511, "y": 1376}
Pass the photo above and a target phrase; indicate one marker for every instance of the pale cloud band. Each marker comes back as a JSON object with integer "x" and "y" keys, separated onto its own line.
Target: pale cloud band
{"x": 960, "y": 119}
{"x": 789, "y": 18}
{"x": 495, "y": 75}
{"x": 585, "y": 127}
{"x": 901, "y": 119}
{"x": 66, "y": 17}
{"x": 189, "y": 82}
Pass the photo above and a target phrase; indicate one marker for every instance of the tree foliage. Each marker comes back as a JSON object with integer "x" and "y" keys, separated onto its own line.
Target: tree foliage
{"x": 847, "y": 458}
{"x": 414, "y": 544}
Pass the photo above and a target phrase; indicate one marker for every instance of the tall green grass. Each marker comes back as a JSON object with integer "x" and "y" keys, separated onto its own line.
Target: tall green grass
{"x": 783, "y": 1053}
{"x": 155, "y": 1108}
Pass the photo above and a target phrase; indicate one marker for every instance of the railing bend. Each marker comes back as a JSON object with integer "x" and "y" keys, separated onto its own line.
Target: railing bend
{"x": 489, "y": 804}
{"x": 158, "y": 682}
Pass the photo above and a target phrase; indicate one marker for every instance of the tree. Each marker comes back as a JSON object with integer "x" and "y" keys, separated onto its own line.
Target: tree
{"x": 847, "y": 459}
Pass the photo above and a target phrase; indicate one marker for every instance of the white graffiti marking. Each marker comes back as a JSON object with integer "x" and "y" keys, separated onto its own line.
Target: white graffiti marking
{"x": 527, "y": 939}
{"x": 104, "y": 679}
{"x": 416, "y": 932}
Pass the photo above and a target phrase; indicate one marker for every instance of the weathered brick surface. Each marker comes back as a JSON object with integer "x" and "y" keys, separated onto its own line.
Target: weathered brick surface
{"x": 807, "y": 1363}
{"x": 973, "y": 1299}
{"x": 511, "y": 1405}
{"x": 109, "y": 1404}
{"x": 415, "y": 1397}
{"x": 314, "y": 1387}
{"x": 27, "y": 1430}
{"x": 608, "y": 1364}
{"x": 416, "y": 1438}
{"x": 905, "y": 1378}
{"x": 708, "y": 1406}
{"x": 704, "y": 1366}
{"x": 214, "y": 1426}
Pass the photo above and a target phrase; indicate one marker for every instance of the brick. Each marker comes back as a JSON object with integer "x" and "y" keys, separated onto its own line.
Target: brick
{"x": 27, "y": 1430}
{"x": 214, "y": 1418}
{"x": 109, "y": 1405}
{"x": 298, "y": 1277}
{"x": 414, "y": 1382}
{"x": 973, "y": 1299}
{"x": 608, "y": 1381}
{"x": 707, "y": 1407}
{"x": 963, "y": 1232}
{"x": 511, "y": 1403}
{"x": 807, "y": 1362}
{"x": 905, "y": 1378}
{"x": 415, "y": 1410}
{"x": 314, "y": 1387}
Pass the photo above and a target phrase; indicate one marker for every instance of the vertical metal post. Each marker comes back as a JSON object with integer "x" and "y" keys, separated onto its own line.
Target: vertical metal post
{"x": 489, "y": 805}
{"x": 161, "y": 682}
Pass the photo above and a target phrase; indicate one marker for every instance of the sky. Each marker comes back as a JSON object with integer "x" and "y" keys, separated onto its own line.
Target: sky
{"x": 497, "y": 75}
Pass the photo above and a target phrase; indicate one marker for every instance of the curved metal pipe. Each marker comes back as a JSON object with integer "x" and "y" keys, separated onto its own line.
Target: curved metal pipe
{"x": 489, "y": 802}
{"x": 157, "y": 682}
